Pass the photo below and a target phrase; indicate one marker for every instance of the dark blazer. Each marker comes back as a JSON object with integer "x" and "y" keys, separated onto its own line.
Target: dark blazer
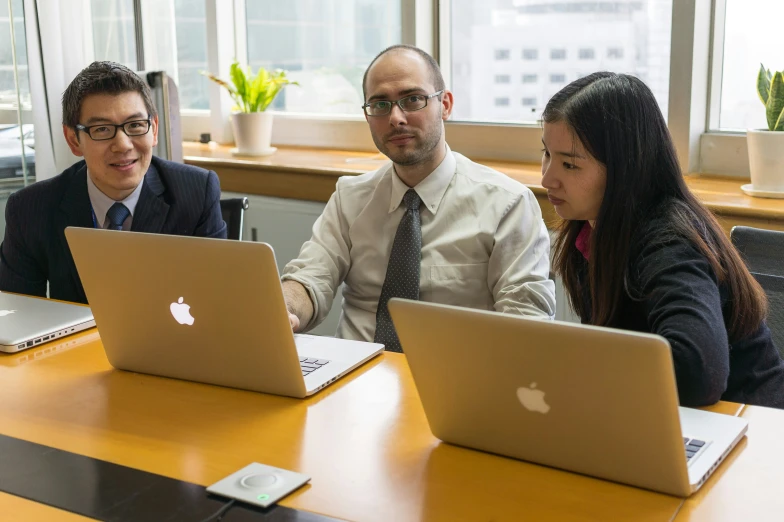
{"x": 175, "y": 199}
{"x": 673, "y": 291}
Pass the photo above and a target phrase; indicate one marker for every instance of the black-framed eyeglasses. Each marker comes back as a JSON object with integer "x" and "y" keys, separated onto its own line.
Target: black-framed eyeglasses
{"x": 107, "y": 131}
{"x": 411, "y": 103}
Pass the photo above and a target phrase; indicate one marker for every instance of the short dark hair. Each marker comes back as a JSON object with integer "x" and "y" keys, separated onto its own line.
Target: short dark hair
{"x": 435, "y": 71}
{"x": 102, "y": 78}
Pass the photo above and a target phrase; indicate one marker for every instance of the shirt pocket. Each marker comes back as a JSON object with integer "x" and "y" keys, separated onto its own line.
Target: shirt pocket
{"x": 460, "y": 285}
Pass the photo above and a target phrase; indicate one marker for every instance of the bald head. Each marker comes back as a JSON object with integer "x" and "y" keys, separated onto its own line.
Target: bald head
{"x": 407, "y": 53}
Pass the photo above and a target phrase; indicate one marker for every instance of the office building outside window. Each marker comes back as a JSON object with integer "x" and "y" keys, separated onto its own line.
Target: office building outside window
{"x": 530, "y": 54}
{"x": 502, "y": 54}
{"x": 326, "y": 45}
{"x": 557, "y": 78}
{"x": 530, "y": 78}
{"x": 529, "y": 102}
{"x": 615, "y": 53}
{"x": 502, "y": 78}
{"x": 502, "y": 102}
{"x": 558, "y": 54}
{"x": 587, "y": 54}
{"x": 641, "y": 29}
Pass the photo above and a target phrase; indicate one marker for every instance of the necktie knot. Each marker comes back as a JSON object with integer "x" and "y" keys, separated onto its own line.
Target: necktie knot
{"x": 117, "y": 214}
{"x": 412, "y": 200}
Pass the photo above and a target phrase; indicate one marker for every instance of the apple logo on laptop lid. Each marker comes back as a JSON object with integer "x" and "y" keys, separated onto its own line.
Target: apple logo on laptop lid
{"x": 532, "y": 399}
{"x": 3, "y": 313}
{"x": 181, "y": 312}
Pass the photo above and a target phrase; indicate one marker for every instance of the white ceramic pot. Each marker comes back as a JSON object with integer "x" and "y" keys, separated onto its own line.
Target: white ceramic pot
{"x": 252, "y": 133}
{"x": 766, "y": 160}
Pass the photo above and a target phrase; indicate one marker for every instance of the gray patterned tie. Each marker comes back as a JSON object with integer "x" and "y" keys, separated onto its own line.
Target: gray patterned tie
{"x": 402, "y": 279}
{"x": 117, "y": 214}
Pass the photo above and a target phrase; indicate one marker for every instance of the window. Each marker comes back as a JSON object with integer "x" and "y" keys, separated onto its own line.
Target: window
{"x": 752, "y": 35}
{"x": 615, "y": 53}
{"x": 191, "y": 26}
{"x": 502, "y": 102}
{"x": 325, "y": 45}
{"x": 502, "y": 54}
{"x": 17, "y": 140}
{"x": 557, "y": 78}
{"x": 114, "y": 35}
{"x": 529, "y": 101}
{"x": 502, "y": 78}
{"x": 530, "y": 78}
{"x": 8, "y": 99}
{"x": 587, "y": 54}
{"x": 640, "y": 29}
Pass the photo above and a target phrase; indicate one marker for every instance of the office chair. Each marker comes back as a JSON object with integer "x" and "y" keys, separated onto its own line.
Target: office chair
{"x": 763, "y": 250}
{"x": 774, "y": 289}
{"x": 233, "y": 211}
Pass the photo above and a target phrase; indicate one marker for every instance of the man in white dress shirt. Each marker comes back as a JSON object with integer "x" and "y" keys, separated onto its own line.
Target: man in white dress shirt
{"x": 430, "y": 225}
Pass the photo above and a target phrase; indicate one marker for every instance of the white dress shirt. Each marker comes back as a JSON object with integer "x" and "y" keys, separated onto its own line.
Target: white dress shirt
{"x": 102, "y": 203}
{"x": 484, "y": 245}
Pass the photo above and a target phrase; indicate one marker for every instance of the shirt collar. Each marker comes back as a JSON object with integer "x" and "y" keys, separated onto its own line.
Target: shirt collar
{"x": 431, "y": 190}
{"x": 583, "y": 241}
{"x": 102, "y": 203}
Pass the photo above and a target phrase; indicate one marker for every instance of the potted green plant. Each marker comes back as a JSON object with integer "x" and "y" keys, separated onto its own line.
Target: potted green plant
{"x": 766, "y": 147}
{"x": 253, "y": 94}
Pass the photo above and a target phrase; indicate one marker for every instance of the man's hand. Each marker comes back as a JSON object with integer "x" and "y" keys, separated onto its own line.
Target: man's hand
{"x": 298, "y": 304}
{"x": 294, "y": 321}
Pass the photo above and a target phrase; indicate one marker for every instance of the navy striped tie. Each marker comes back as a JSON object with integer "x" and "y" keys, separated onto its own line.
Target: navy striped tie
{"x": 117, "y": 215}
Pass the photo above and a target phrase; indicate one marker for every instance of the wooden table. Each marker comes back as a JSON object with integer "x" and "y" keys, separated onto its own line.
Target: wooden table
{"x": 750, "y": 484}
{"x": 311, "y": 174}
{"x": 365, "y": 442}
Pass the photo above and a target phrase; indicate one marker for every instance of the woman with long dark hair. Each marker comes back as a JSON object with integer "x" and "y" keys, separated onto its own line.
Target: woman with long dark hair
{"x": 637, "y": 251}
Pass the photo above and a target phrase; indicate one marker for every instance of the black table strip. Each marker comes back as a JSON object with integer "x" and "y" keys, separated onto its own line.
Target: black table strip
{"x": 104, "y": 491}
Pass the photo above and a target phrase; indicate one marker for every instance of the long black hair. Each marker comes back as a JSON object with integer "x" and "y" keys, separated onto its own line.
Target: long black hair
{"x": 617, "y": 120}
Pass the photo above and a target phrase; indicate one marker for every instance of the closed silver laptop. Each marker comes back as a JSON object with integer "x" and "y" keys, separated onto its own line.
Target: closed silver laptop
{"x": 205, "y": 310}
{"x": 596, "y": 401}
{"x": 29, "y": 321}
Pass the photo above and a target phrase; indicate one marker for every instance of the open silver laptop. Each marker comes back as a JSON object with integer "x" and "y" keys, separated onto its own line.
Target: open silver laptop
{"x": 28, "y": 321}
{"x": 205, "y": 310}
{"x": 596, "y": 401}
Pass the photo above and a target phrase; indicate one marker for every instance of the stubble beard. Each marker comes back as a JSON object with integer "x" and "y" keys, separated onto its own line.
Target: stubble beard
{"x": 427, "y": 143}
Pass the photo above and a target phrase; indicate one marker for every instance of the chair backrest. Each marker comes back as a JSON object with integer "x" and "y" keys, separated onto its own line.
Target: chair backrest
{"x": 166, "y": 98}
{"x": 762, "y": 250}
{"x": 774, "y": 289}
{"x": 233, "y": 211}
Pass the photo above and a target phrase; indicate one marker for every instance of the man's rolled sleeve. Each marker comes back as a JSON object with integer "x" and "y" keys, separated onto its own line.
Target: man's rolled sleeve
{"x": 323, "y": 261}
{"x": 519, "y": 269}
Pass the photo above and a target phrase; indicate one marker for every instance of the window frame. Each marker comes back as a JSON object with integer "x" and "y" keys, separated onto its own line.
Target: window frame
{"x": 695, "y": 82}
{"x": 723, "y": 153}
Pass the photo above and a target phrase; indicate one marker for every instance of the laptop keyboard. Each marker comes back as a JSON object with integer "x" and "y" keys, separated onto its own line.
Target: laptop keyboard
{"x": 310, "y": 365}
{"x": 692, "y": 446}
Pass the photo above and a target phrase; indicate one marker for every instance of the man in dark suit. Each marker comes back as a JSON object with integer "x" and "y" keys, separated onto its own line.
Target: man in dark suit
{"x": 109, "y": 119}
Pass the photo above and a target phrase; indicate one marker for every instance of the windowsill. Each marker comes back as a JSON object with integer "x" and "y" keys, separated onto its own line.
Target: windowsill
{"x": 311, "y": 174}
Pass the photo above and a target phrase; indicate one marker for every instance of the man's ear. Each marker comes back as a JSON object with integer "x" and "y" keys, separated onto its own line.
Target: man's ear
{"x": 72, "y": 139}
{"x": 447, "y": 104}
{"x": 155, "y": 130}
